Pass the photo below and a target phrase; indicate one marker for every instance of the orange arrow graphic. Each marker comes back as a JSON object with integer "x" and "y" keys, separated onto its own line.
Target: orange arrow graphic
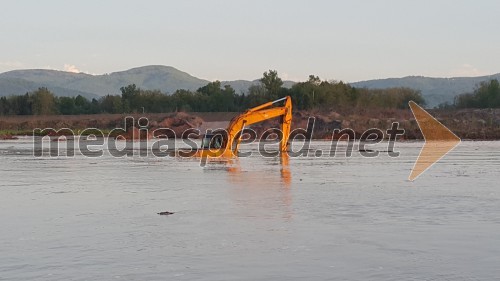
{"x": 439, "y": 140}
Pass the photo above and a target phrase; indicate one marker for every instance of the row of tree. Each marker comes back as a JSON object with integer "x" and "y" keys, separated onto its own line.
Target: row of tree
{"x": 43, "y": 102}
{"x": 486, "y": 95}
{"x": 214, "y": 97}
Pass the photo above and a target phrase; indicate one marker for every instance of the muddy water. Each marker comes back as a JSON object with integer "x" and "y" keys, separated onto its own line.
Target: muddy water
{"x": 255, "y": 219}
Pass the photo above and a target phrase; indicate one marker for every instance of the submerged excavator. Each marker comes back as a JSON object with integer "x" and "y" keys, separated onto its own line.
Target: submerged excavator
{"x": 226, "y": 144}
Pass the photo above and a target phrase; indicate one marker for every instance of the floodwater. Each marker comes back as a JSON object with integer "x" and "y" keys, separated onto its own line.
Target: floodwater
{"x": 326, "y": 218}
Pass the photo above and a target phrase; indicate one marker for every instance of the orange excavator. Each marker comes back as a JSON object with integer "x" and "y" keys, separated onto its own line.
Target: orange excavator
{"x": 217, "y": 145}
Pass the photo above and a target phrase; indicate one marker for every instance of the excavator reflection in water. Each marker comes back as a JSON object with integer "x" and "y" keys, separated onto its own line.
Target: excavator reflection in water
{"x": 268, "y": 188}
{"x": 234, "y": 168}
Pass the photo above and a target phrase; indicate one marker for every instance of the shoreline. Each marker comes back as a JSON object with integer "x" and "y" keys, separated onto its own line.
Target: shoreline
{"x": 468, "y": 124}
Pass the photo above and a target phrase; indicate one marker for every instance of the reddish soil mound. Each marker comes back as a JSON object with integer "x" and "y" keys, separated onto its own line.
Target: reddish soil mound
{"x": 8, "y": 137}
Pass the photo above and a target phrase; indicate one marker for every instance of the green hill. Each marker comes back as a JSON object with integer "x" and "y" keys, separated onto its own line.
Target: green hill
{"x": 17, "y": 86}
{"x": 434, "y": 90}
{"x": 164, "y": 78}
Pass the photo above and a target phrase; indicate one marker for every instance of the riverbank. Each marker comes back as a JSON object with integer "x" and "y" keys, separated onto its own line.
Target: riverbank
{"x": 474, "y": 124}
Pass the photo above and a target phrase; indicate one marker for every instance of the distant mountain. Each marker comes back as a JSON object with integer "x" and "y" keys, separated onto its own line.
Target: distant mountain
{"x": 155, "y": 77}
{"x": 434, "y": 90}
{"x": 168, "y": 79}
{"x": 17, "y": 86}
{"x": 164, "y": 78}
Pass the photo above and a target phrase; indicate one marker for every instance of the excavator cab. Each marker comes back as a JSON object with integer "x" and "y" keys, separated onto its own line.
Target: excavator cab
{"x": 211, "y": 141}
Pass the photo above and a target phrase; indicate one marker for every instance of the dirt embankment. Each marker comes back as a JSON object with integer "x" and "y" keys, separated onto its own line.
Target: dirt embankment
{"x": 475, "y": 124}
{"x": 478, "y": 124}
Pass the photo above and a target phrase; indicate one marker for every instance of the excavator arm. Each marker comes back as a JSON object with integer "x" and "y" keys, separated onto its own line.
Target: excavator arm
{"x": 258, "y": 114}
{"x": 251, "y": 116}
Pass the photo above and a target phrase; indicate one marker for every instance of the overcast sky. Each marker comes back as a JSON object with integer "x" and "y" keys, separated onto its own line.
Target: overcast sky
{"x": 228, "y": 40}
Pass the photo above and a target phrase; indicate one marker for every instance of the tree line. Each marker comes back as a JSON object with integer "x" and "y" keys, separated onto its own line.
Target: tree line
{"x": 486, "y": 95}
{"x": 213, "y": 97}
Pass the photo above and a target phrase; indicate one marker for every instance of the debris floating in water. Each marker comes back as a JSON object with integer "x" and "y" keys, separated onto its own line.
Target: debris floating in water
{"x": 165, "y": 213}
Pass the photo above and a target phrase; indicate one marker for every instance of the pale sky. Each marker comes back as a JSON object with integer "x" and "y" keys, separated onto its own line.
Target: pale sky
{"x": 228, "y": 40}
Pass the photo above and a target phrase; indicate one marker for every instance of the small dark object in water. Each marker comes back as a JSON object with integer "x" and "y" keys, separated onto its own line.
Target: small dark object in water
{"x": 165, "y": 213}
{"x": 371, "y": 150}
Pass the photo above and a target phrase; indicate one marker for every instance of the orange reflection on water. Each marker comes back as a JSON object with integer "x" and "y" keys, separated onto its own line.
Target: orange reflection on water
{"x": 264, "y": 191}
{"x": 252, "y": 177}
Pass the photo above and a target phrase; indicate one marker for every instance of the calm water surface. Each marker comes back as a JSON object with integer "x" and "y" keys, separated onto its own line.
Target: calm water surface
{"x": 252, "y": 219}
